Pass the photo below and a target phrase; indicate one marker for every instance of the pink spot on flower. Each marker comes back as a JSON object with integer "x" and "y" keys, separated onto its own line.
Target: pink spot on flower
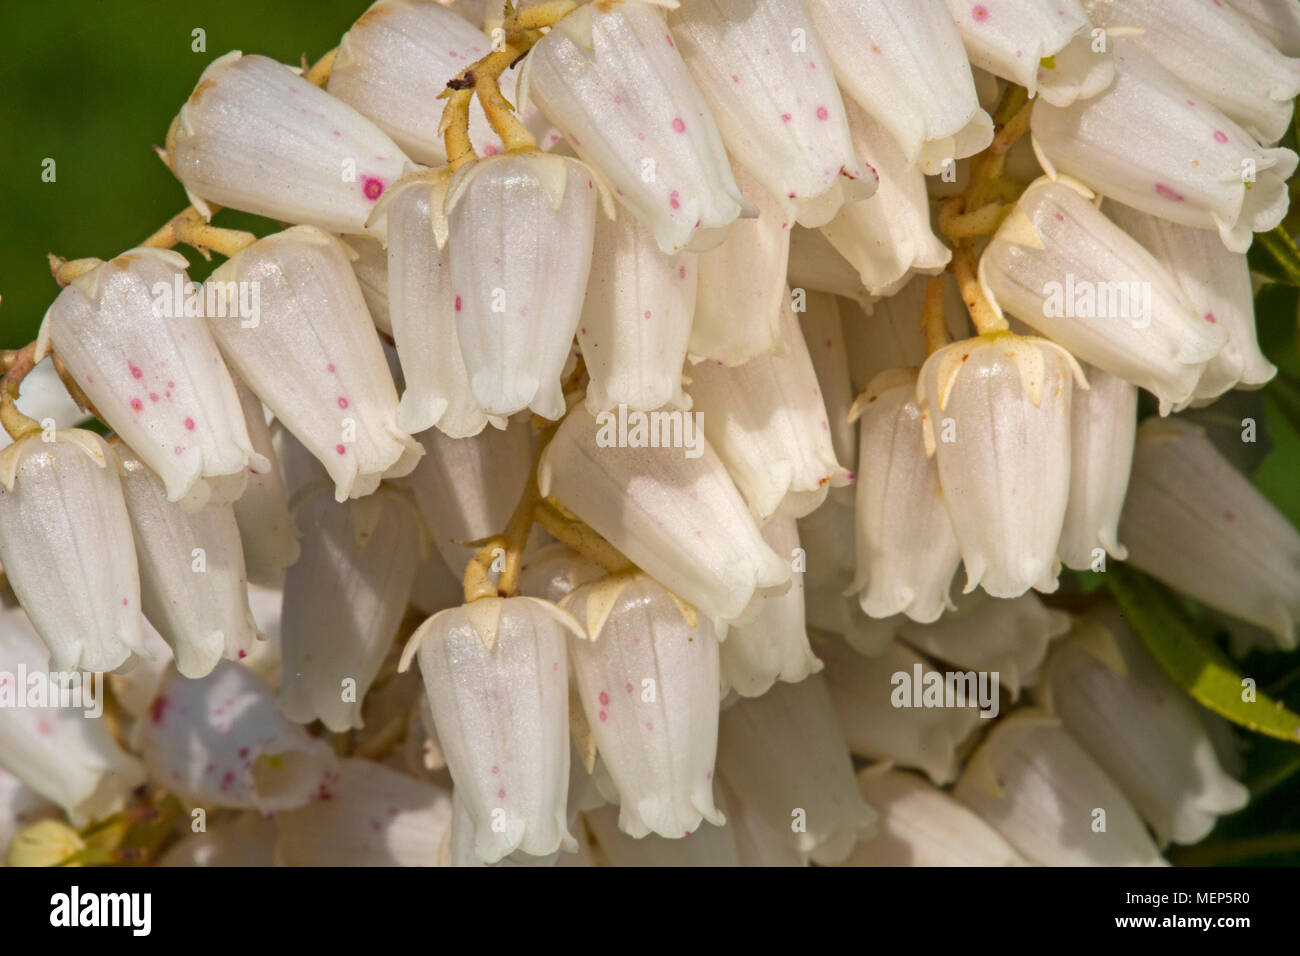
{"x": 821, "y": 113}
{"x": 669, "y": 37}
{"x": 457, "y": 303}
{"x": 189, "y": 424}
{"x": 341, "y": 449}
{"x": 1220, "y": 136}
{"x": 343, "y": 402}
{"x": 786, "y": 117}
{"x": 372, "y": 187}
{"x": 159, "y": 710}
{"x": 330, "y": 367}
{"x": 604, "y": 699}
{"x": 242, "y": 654}
{"x": 647, "y": 313}
{"x": 681, "y": 272}
{"x": 628, "y": 687}
{"x": 489, "y": 150}
{"x": 125, "y": 602}
{"x": 1209, "y": 317}
{"x": 135, "y": 370}
{"x": 979, "y": 13}
{"x": 673, "y": 200}
{"x": 649, "y": 726}
{"x": 1167, "y": 193}
{"x": 678, "y": 125}
{"x": 153, "y": 396}
{"x": 501, "y": 794}
{"x": 1229, "y": 516}
{"x": 137, "y": 404}
{"x": 495, "y": 770}
{"x": 734, "y": 78}
{"x": 603, "y": 716}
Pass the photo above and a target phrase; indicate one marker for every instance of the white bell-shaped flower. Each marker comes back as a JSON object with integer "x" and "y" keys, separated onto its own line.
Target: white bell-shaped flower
{"x": 882, "y": 705}
{"x": 467, "y": 488}
{"x": 1216, "y": 52}
{"x": 673, "y": 511}
{"x": 904, "y": 64}
{"x": 708, "y": 846}
{"x": 920, "y": 825}
{"x": 1152, "y": 143}
{"x": 1103, "y": 424}
{"x": 371, "y": 269}
{"x": 887, "y": 238}
{"x": 1200, "y": 526}
{"x": 343, "y": 601}
{"x": 648, "y": 680}
{"x": 1217, "y": 283}
{"x": 636, "y": 319}
{"x": 373, "y": 816}
{"x": 767, "y": 79}
{"x": 66, "y": 547}
{"x": 610, "y": 77}
{"x": 1064, "y": 269}
{"x": 827, "y": 537}
{"x": 907, "y": 551}
{"x": 394, "y": 62}
{"x": 131, "y": 333}
{"x": 1046, "y": 46}
{"x": 823, "y": 333}
{"x": 266, "y": 529}
{"x": 1279, "y": 22}
{"x": 1050, "y": 800}
{"x": 497, "y": 677}
{"x": 768, "y": 423}
{"x": 784, "y": 752}
{"x": 63, "y": 753}
{"x": 422, "y": 312}
{"x": 771, "y": 642}
{"x": 521, "y": 237}
{"x": 1115, "y": 700}
{"x": 257, "y": 136}
{"x": 742, "y": 289}
{"x": 221, "y": 741}
{"x": 1006, "y": 636}
{"x": 996, "y": 416}
{"x": 814, "y": 263}
{"x": 192, "y": 580}
{"x": 314, "y": 357}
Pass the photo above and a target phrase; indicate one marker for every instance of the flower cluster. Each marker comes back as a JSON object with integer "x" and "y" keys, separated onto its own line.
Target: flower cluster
{"x": 583, "y": 473}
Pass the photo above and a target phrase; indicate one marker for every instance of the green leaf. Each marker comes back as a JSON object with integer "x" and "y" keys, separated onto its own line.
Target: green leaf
{"x": 1191, "y": 660}
{"x": 1274, "y": 254}
{"x": 1284, "y": 391}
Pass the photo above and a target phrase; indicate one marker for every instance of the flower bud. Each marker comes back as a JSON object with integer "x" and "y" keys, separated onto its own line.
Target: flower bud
{"x": 673, "y": 511}
{"x": 497, "y": 678}
{"x": 768, "y": 423}
{"x": 611, "y": 79}
{"x": 879, "y": 704}
{"x": 521, "y": 237}
{"x": 1199, "y": 525}
{"x": 467, "y": 488}
{"x": 131, "y": 333}
{"x": 266, "y": 530}
{"x": 742, "y": 289}
{"x": 1151, "y": 143}
{"x": 314, "y": 358}
{"x": 648, "y": 679}
{"x": 784, "y": 754}
{"x": 996, "y": 415}
{"x": 62, "y": 753}
{"x": 370, "y": 816}
{"x": 1216, "y": 52}
{"x": 1048, "y": 48}
{"x": 66, "y": 547}
{"x": 1008, "y": 637}
{"x": 1050, "y": 800}
{"x": 921, "y": 825}
{"x": 1115, "y": 700}
{"x": 422, "y": 311}
{"x": 791, "y": 133}
{"x": 1063, "y": 268}
{"x": 771, "y": 642}
{"x": 636, "y": 319}
{"x": 192, "y": 580}
{"x": 887, "y": 238}
{"x": 1217, "y": 283}
{"x": 916, "y": 81}
{"x": 907, "y": 551}
{"x": 257, "y": 136}
{"x": 220, "y": 740}
{"x": 343, "y": 602}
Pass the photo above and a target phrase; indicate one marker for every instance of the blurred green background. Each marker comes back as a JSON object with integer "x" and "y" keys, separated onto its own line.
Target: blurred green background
{"x": 94, "y": 85}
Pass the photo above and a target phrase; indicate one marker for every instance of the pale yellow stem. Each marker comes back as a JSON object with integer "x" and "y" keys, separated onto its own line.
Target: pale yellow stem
{"x": 934, "y": 324}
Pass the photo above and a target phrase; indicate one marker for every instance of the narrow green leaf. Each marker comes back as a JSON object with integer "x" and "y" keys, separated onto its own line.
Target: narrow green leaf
{"x": 1191, "y": 660}
{"x": 1274, "y": 254}
{"x": 1285, "y": 394}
